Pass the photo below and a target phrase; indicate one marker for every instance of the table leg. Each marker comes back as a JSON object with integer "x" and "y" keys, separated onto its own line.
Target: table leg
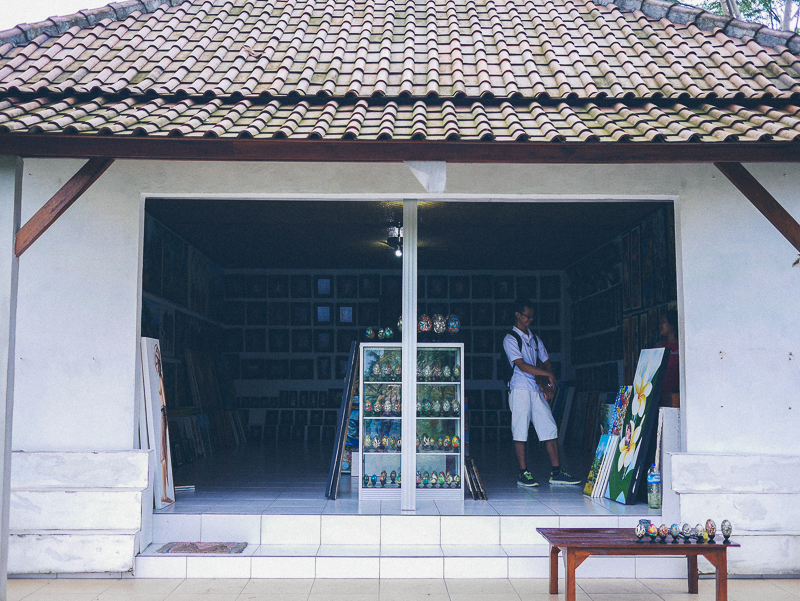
{"x": 719, "y": 560}
{"x": 553, "y": 570}
{"x": 569, "y": 574}
{"x": 693, "y": 577}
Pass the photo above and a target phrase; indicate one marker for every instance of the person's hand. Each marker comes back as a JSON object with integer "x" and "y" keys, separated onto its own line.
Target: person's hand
{"x": 549, "y": 393}
{"x": 552, "y": 380}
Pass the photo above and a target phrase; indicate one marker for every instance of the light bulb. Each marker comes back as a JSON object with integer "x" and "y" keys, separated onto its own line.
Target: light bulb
{"x": 398, "y": 252}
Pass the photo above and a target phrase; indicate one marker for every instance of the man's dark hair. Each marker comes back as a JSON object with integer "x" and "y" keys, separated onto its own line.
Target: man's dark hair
{"x": 521, "y": 303}
{"x": 672, "y": 319}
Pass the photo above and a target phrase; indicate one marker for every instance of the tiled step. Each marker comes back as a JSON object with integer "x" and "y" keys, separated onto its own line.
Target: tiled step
{"x": 382, "y": 546}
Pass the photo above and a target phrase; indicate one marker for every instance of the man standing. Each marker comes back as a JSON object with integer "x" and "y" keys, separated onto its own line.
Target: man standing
{"x": 526, "y": 399}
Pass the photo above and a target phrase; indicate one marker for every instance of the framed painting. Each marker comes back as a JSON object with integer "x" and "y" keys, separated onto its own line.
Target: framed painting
{"x": 637, "y": 426}
{"x": 346, "y": 286}
{"x": 369, "y": 286}
{"x": 322, "y": 314}
{"x": 346, "y": 314}
{"x": 503, "y": 286}
{"x": 156, "y": 416}
{"x": 323, "y": 287}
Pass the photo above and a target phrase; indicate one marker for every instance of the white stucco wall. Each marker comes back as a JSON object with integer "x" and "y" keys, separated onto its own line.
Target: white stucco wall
{"x": 78, "y": 317}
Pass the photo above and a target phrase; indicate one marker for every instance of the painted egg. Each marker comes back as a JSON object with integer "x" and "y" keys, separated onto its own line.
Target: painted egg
{"x": 699, "y": 533}
{"x": 384, "y": 442}
{"x": 674, "y": 532}
{"x": 447, "y": 373}
{"x": 437, "y": 372}
{"x": 387, "y": 406}
{"x": 426, "y": 477}
{"x": 439, "y": 443}
{"x": 652, "y": 531}
{"x": 453, "y": 324}
{"x": 376, "y": 369}
{"x": 399, "y": 443}
{"x": 383, "y": 478}
{"x": 436, "y": 407}
{"x": 400, "y": 324}
{"x": 419, "y": 371}
{"x": 387, "y": 333}
{"x": 456, "y": 442}
{"x": 427, "y": 372}
{"x": 392, "y": 441}
{"x": 393, "y": 476}
{"x": 381, "y": 334}
{"x": 663, "y": 530}
{"x": 373, "y": 480}
{"x": 398, "y": 477}
{"x": 726, "y": 528}
{"x": 441, "y": 479}
{"x": 639, "y": 530}
{"x": 426, "y": 406}
{"x": 396, "y": 406}
{"x": 425, "y": 323}
{"x": 686, "y": 531}
{"x": 370, "y": 333}
{"x": 376, "y": 442}
{"x": 448, "y": 479}
{"x": 365, "y": 480}
{"x": 426, "y": 442}
{"x": 419, "y": 407}
{"x": 387, "y": 370}
{"x": 418, "y": 443}
{"x": 446, "y": 443}
{"x": 367, "y": 441}
{"x": 439, "y": 324}
{"x": 446, "y": 406}
{"x": 456, "y": 408}
{"x": 456, "y": 371}
{"x": 457, "y": 481}
{"x": 711, "y": 529}
{"x": 433, "y": 479}
{"x": 398, "y": 370}
{"x": 419, "y": 478}
{"x": 367, "y": 407}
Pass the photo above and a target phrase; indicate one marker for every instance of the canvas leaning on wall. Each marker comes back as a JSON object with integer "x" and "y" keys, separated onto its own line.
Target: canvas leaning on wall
{"x": 156, "y": 415}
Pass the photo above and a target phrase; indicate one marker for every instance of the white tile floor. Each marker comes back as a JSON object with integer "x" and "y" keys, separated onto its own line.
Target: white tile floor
{"x": 386, "y": 589}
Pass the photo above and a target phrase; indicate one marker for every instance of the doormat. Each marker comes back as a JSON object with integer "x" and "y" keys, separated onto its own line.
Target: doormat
{"x": 225, "y": 548}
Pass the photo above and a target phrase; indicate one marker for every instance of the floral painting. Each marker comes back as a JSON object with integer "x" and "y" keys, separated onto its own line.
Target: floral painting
{"x": 640, "y": 416}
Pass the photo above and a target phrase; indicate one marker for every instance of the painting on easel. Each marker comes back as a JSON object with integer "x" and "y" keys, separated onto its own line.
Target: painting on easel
{"x": 156, "y": 415}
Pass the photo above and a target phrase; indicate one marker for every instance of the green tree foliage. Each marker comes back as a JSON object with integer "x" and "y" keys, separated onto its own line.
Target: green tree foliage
{"x": 769, "y": 12}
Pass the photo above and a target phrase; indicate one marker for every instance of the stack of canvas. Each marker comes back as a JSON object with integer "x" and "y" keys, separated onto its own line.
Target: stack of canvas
{"x": 597, "y": 482}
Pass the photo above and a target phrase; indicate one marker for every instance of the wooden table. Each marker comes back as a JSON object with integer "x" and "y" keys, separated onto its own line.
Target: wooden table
{"x": 579, "y": 543}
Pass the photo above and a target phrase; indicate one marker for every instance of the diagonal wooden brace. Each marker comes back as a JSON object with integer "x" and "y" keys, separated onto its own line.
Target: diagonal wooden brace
{"x": 61, "y": 201}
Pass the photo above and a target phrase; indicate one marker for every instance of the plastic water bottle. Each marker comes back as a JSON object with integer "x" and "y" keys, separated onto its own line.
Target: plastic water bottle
{"x": 653, "y": 487}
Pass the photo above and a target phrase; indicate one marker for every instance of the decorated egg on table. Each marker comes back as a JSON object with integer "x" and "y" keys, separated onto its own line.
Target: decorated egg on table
{"x": 455, "y": 442}
{"x": 453, "y": 324}
{"x": 700, "y": 533}
{"x": 439, "y": 443}
{"x": 381, "y": 334}
{"x": 425, "y": 323}
{"x": 393, "y": 476}
{"x": 384, "y": 441}
{"x": 446, "y": 406}
{"x": 400, "y": 324}
{"x": 367, "y": 442}
{"x": 726, "y": 529}
{"x": 387, "y": 333}
{"x": 674, "y": 532}
{"x": 439, "y": 324}
{"x": 427, "y": 371}
{"x": 457, "y": 481}
{"x": 433, "y": 479}
{"x": 446, "y": 443}
{"x": 387, "y": 406}
{"x": 367, "y": 407}
{"x": 419, "y": 478}
{"x": 373, "y": 480}
{"x": 436, "y": 407}
{"x": 686, "y": 531}
{"x": 426, "y": 477}
{"x": 437, "y": 372}
{"x": 447, "y": 372}
{"x": 376, "y": 442}
{"x": 387, "y": 371}
{"x": 426, "y": 442}
{"x": 441, "y": 479}
{"x": 652, "y": 532}
{"x": 419, "y": 371}
{"x": 448, "y": 479}
{"x": 383, "y": 478}
{"x": 663, "y": 530}
{"x": 365, "y": 480}
{"x": 370, "y": 333}
{"x": 396, "y": 406}
{"x": 711, "y": 529}
{"x": 640, "y": 531}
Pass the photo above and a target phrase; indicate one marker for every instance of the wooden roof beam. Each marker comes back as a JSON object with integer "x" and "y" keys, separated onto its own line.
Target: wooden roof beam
{"x": 763, "y": 201}
{"x": 61, "y": 201}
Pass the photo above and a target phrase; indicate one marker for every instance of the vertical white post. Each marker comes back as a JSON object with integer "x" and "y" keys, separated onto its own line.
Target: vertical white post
{"x": 408, "y": 460}
{"x": 10, "y": 202}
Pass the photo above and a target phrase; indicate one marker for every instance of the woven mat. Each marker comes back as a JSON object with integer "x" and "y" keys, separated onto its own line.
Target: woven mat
{"x": 225, "y": 548}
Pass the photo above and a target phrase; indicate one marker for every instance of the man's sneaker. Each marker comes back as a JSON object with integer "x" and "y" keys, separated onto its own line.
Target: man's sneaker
{"x": 563, "y": 478}
{"x": 525, "y": 479}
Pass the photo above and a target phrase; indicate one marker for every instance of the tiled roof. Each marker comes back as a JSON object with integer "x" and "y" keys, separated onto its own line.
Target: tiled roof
{"x": 503, "y": 70}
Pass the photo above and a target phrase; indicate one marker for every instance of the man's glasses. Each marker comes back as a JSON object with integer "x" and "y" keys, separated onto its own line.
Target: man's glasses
{"x": 527, "y": 316}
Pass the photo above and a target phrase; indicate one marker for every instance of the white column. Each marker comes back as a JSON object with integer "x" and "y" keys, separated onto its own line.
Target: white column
{"x": 10, "y": 202}
{"x": 408, "y": 461}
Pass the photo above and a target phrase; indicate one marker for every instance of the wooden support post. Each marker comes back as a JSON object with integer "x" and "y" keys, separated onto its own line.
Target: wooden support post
{"x": 10, "y": 203}
{"x": 763, "y": 201}
{"x": 61, "y": 201}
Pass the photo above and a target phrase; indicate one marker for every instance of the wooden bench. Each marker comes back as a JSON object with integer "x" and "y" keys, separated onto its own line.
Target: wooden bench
{"x": 579, "y": 543}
